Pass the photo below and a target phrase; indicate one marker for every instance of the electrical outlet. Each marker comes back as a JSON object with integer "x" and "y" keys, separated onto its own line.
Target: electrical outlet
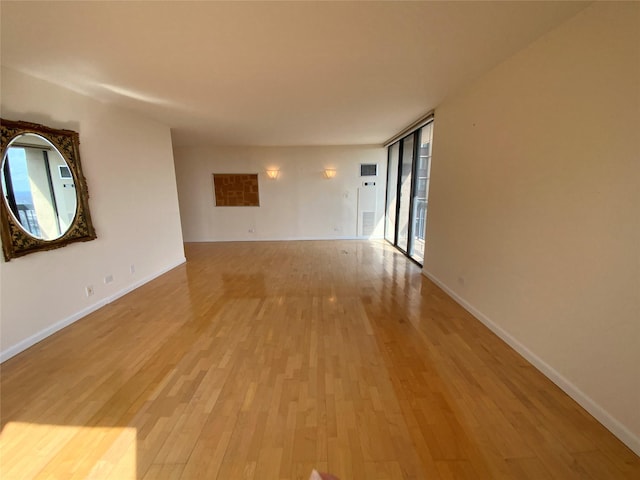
{"x": 88, "y": 290}
{"x": 108, "y": 279}
{"x": 132, "y": 269}
{"x": 252, "y": 230}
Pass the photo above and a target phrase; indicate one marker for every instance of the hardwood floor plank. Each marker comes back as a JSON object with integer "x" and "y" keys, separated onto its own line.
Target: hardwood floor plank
{"x": 267, "y": 359}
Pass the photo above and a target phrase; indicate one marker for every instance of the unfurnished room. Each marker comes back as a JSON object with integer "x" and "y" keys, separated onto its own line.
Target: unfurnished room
{"x": 318, "y": 240}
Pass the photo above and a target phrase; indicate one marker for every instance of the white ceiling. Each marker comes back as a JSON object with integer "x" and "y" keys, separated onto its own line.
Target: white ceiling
{"x": 271, "y": 73}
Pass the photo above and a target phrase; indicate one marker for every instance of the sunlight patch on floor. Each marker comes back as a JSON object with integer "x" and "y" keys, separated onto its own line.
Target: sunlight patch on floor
{"x": 68, "y": 451}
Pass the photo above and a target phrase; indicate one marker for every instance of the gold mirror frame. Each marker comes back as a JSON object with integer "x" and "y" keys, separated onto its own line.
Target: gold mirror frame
{"x": 16, "y": 242}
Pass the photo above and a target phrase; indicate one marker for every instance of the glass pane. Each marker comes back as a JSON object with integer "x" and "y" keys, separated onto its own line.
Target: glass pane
{"x": 421, "y": 193}
{"x": 38, "y": 187}
{"x": 392, "y": 188}
{"x": 405, "y": 193}
{"x": 23, "y": 204}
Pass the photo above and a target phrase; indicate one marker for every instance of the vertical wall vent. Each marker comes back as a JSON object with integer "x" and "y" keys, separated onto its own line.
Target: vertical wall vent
{"x": 367, "y": 208}
{"x": 368, "y": 223}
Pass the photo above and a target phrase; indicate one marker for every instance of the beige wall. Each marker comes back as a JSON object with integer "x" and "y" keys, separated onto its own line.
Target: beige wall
{"x": 128, "y": 163}
{"x": 65, "y": 196}
{"x": 300, "y": 204}
{"x": 535, "y": 207}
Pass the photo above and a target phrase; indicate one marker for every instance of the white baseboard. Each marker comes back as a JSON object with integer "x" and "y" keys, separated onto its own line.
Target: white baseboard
{"x": 283, "y": 239}
{"x": 605, "y": 418}
{"x": 42, "y": 334}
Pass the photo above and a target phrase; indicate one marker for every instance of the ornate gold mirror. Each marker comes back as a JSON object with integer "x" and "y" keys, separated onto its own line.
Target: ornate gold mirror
{"x": 45, "y": 199}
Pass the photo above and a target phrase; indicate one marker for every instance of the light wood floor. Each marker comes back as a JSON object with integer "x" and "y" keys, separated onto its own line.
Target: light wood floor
{"x": 264, "y": 360}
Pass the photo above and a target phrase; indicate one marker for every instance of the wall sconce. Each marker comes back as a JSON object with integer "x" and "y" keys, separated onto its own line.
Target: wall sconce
{"x": 329, "y": 172}
{"x": 273, "y": 173}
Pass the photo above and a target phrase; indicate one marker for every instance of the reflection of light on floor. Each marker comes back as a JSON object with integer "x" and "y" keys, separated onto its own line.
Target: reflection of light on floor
{"x": 31, "y": 450}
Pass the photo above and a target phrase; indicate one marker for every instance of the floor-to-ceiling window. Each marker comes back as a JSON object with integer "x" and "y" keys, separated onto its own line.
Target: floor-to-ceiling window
{"x": 404, "y": 197}
{"x": 409, "y": 163}
{"x": 392, "y": 192}
{"x": 421, "y": 192}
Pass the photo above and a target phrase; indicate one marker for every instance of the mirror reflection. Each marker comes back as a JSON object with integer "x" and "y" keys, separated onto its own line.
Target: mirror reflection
{"x": 38, "y": 187}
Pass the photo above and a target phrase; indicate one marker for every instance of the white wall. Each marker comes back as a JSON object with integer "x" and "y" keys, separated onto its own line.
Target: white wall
{"x": 300, "y": 204}
{"x": 128, "y": 164}
{"x": 535, "y": 207}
